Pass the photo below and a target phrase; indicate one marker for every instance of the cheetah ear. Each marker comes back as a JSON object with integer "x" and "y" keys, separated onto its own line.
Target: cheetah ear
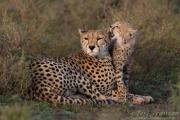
{"x": 81, "y": 32}
{"x": 107, "y": 31}
{"x": 134, "y": 31}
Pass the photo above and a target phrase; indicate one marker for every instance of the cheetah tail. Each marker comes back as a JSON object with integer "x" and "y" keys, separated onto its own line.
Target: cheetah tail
{"x": 75, "y": 101}
{"x": 83, "y": 101}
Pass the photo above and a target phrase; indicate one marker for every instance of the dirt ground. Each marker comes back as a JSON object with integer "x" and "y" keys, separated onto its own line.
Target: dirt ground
{"x": 153, "y": 111}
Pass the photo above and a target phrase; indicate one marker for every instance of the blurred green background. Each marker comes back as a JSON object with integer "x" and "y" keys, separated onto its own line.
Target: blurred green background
{"x": 48, "y": 28}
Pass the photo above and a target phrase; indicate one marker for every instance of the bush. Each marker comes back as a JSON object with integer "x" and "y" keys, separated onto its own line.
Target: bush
{"x": 13, "y": 78}
{"x": 15, "y": 112}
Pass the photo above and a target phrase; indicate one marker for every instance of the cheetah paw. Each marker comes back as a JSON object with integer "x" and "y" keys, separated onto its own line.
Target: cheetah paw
{"x": 148, "y": 99}
{"x": 138, "y": 101}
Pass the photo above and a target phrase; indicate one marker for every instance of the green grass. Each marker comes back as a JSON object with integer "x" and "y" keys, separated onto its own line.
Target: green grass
{"x": 48, "y": 28}
{"x": 15, "y": 108}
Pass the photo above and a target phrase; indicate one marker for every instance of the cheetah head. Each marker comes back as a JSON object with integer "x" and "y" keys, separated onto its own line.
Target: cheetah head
{"x": 94, "y": 42}
{"x": 122, "y": 32}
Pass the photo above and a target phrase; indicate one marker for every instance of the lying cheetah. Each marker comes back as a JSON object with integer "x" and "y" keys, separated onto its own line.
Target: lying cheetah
{"x": 89, "y": 72}
{"x": 123, "y": 37}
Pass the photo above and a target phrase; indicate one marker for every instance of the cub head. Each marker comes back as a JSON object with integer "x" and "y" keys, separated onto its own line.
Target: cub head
{"x": 94, "y": 42}
{"x": 122, "y": 32}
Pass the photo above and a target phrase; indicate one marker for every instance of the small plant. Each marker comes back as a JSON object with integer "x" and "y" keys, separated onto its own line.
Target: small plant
{"x": 175, "y": 98}
{"x": 15, "y": 112}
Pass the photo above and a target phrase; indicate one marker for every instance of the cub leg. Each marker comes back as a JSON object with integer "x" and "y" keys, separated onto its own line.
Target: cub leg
{"x": 126, "y": 72}
{"x": 119, "y": 81}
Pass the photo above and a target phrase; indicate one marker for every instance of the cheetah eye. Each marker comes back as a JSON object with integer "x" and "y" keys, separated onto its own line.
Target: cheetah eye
{"x": 130, "y": 34}
{"x": 99, "y": 38}
{"x": 116, "y": 26}
{"x": 86, "y": 38}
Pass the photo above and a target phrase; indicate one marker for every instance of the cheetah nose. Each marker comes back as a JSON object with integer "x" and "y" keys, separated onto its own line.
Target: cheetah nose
{"x": 91, "y": 47}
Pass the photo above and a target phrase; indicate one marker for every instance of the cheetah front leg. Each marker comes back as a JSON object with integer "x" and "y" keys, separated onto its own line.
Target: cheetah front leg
{"x": 138, "y": 99}
{"x": 120, "y": 84}
{"x": 126, "y": 72}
